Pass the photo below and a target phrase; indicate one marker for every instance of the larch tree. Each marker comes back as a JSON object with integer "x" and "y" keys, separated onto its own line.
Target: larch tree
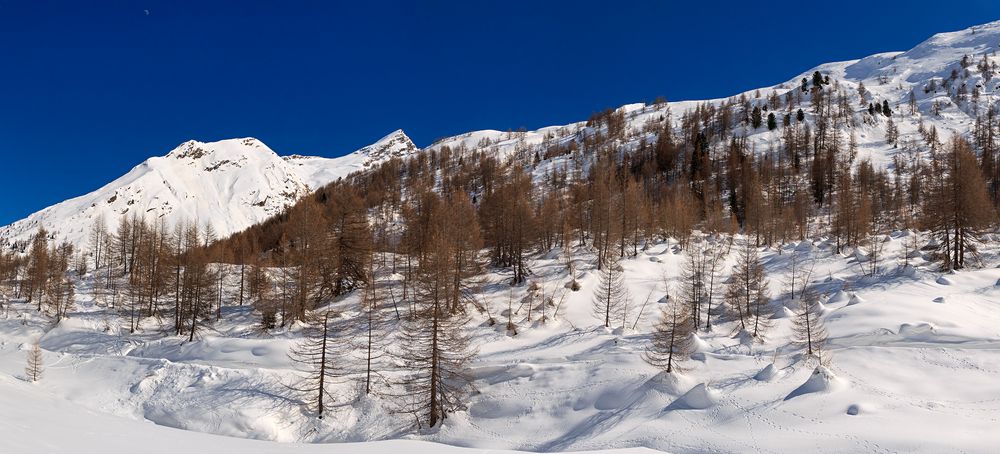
{"x": 319, "y": 356}
{"x": 38, "y": 267}
{"x": 958, "y": 207}
{"x": 672, "y": 340}
{"x": 435, "y": 348}
{"x": 747, "y": 292}
{"x": 808, "y": 331}
{"x": 33, "y": 368}
{"x": 694, "y": 291}
{"x": 371, "y": 344}
{"x": 611, "y": 296}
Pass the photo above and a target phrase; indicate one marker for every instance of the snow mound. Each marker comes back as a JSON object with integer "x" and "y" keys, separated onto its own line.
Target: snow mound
{"x": 943, "y": 280}
{"x": 855, "y": 299}
{"x": 822, "y": 380}
{"x": 839, "y": 297}
{"x": 698, "y": 398}
{"x": 939, "y": 300}
{"x": 699, "y": 344}
{"x": 768, "y": 373}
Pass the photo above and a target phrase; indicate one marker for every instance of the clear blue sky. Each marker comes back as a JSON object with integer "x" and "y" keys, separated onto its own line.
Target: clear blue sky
{"x": 89, "y": 89}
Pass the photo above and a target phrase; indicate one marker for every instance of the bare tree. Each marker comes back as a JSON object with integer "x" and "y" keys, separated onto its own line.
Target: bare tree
{"x": 672, "y": 338}
{"x": 747, "y": 292}
{"x": 808, "y": 331}
{"x": 33, "y": 370}
{"x": 315, "y": 356}
{"x": 693, "y": 286}
{"x": 436, "y": 349}
{"x": 611, "y": 295}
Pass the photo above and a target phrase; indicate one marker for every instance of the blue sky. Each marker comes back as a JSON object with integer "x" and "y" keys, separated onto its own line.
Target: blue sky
{"x": 90, "y": 89}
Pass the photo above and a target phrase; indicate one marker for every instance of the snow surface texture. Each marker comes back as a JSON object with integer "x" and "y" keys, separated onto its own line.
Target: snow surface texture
{"x": 915, "y": 354}
{"x": 903, "y": 369}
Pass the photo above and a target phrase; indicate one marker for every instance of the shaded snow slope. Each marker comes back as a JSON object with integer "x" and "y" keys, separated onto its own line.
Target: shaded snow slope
{"x": 78, "y": 430}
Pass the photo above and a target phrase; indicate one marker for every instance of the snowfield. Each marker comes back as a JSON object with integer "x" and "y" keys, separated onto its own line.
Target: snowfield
{"x": 915, "y": 353}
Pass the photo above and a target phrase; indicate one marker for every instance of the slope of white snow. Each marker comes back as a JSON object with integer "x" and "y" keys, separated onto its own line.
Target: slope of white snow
{"x": 915, "y": 354}
{"x": 904, "y": 368}
{"x": 79, "y": 430}
{"x": 229, "y": 184}
{"x": 317, "y": 172}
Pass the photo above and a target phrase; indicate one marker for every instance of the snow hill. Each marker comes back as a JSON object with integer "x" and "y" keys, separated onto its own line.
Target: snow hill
{"x": 229, "y": 184}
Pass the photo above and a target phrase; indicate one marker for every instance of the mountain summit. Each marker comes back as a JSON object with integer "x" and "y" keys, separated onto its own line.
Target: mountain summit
{"x": 229, "y": 184}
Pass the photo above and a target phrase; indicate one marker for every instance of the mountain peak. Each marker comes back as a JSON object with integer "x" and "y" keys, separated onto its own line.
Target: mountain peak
{"x": 394, "y": 144}
{"x": 195, "y": 150}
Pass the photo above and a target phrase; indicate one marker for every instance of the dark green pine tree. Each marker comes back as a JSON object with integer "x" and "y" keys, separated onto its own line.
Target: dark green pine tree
{"x": 817, "y": 80}
{"x": 755, "y": 117}
{"x": 805, "y": 85}
{"x": 885, "y": 108}
{"x": 800, "y": 116}
{"x": 871, "y": 109}
{"x": 772, "y": 123}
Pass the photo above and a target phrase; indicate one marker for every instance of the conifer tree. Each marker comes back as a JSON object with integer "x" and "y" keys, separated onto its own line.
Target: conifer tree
{"x": 817, "y": 80}
{"x": 611, "y": 296}
{"x": 436, "y": 349}
{"x": 958, "y": 207}
{"x": 33, "y": 369}
{"x": 808, "y": 331}
{"x": 320, "y": 358}
{"x": 672, "y": 340}
{"x": 747, "y": 292}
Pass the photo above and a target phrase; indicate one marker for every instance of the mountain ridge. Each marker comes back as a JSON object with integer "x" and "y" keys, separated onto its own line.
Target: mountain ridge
{"x": 927, "y": 71}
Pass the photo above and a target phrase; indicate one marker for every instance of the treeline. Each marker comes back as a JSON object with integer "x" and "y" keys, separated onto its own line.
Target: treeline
{"x": 41, "y": 277}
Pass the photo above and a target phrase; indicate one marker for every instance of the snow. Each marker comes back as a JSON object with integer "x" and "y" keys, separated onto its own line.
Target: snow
{"x": 901, "y": 368}
{"x": 913, "y": 353}
{"x": 230, "y": 185}
{"x": 78, "y": 430}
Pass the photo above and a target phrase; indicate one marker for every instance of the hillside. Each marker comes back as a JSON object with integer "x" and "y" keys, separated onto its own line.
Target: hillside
{"x": 230, "y": 185}
{"x": 808, "y": 267}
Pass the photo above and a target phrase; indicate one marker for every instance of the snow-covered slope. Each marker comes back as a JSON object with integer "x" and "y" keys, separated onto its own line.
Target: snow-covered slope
{"x": 317, "y": 172}
{"x": 932, "y": 71}
{"x": 229, "y": 184}
{"x": 235, "y": 183}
